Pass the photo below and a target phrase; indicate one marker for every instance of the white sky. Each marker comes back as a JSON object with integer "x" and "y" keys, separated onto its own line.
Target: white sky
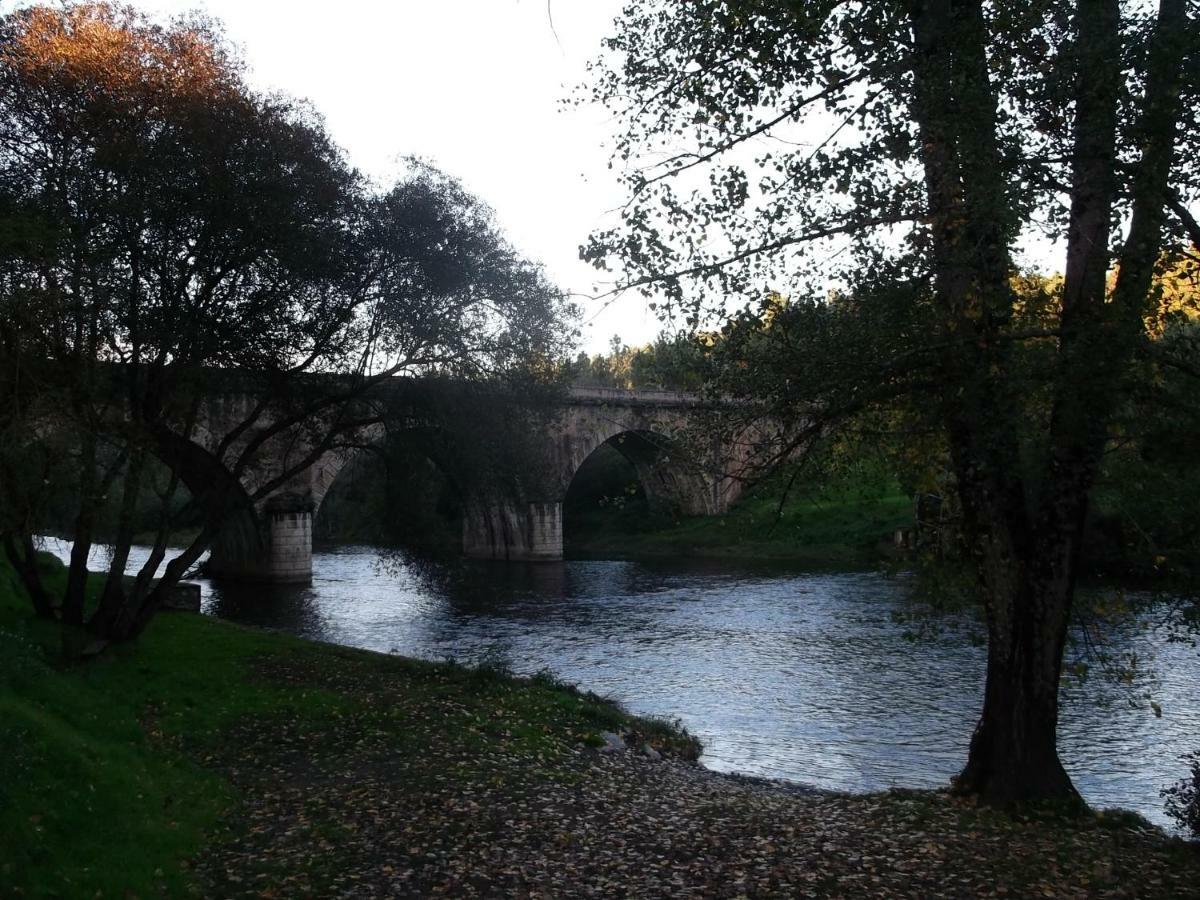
{"x": 475, "y": 86}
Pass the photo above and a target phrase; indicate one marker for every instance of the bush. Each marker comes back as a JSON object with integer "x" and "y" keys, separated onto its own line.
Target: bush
{"x": 1182, "y": 799}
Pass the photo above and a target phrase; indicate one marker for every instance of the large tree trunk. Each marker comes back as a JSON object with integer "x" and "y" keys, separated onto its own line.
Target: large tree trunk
{"x": 1026, "y": 543}
{"x": 77, "y": 572}
{"x": 114, "y": 596}
{"x": 1013, "y": 757}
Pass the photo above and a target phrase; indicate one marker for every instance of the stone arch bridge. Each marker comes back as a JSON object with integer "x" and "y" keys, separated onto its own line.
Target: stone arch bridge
{"x": 661, "y": 433}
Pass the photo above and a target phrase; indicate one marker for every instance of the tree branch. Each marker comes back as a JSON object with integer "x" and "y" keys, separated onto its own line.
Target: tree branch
{"x": 770, "y": 247}
{"x": 696, "y": 159}
{"x": 1190, "y": 225}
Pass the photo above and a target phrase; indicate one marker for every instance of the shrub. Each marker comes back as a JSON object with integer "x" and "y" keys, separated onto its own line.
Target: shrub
{"x": 1182, "y": 799}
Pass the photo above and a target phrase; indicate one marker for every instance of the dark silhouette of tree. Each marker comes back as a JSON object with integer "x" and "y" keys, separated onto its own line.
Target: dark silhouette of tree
{"x": 189, "y": 228}
{"x": 903, "y": 150}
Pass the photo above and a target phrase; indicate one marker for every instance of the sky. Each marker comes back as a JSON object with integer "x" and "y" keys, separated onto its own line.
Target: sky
{"x": 474, "y": 86}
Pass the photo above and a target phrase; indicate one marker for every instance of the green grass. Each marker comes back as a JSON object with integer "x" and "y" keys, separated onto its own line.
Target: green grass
{"x": 842, "y": 531}
{"x": 111, "y": 777}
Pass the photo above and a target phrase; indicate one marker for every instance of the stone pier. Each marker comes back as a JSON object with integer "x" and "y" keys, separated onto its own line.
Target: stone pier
{"x": 281, "y": 550}
{"x": 528, "y": 532}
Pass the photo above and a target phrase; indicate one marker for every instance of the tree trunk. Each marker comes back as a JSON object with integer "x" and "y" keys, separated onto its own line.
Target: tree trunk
{"x": 115, "y": 596}
{"x": 85, "y": 519}
{"x": 130, "y": 620}
{"x": 23, "y": 555}
{"x": 1027, "y": 562}
{"x": 1013, "y": 757}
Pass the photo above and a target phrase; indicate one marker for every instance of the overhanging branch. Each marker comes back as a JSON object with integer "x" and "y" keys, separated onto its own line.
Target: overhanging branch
{"x": 717, "y": 265}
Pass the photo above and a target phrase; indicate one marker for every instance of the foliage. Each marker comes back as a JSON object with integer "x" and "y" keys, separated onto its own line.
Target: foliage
{"x": 447, "y": 443}
{"x": 671, "y": 362}
{"x": 395, "y": 496}
{"x": 605, "y": 479}
{"x": 440, "y": 291}
{"x": 1182, "y": 799}
{"x": 902, "y": 152}
{"x": 838, "y": 507}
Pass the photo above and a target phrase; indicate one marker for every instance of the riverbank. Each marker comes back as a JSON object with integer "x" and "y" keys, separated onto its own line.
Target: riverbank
{"x": 212, "y": 760}
{"x": 846, "y": 533}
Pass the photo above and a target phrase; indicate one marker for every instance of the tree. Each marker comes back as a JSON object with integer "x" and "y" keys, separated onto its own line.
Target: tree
{"x": 917, "y": 144}
{"x": 195, "y": 230}
{"x": 671, "y": 362}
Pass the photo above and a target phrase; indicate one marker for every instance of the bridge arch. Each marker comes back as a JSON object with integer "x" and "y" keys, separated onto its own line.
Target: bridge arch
{"x": 272, "y": 539}
{"x": 673, "y": 482}
{"x": 655, "y": 430}
{"x": 267, "y": 543}
{"x": 416, "y": 463}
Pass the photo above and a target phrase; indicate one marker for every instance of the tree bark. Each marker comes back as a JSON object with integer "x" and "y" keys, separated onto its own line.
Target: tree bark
{"x": 114, "y": 596}
{"x": 1013, "y": 755}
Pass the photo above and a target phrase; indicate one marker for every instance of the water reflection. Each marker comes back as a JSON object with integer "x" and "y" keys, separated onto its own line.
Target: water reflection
{"x": 801, "y": 676}
{"x": 292, "y": 608}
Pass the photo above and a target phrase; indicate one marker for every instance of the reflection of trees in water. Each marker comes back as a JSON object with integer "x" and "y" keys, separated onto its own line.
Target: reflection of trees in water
{"x": 1115, "y": 647}
{"x": 1127, "y": 642}
{"x": 1143, "y": 654}
{"x": 295, "y": 609}
{"x": 485, "y": 608}
{"x": 1112, "y": 663}
{"x": 474, "y": 586}
{"x": 447, "y": 440}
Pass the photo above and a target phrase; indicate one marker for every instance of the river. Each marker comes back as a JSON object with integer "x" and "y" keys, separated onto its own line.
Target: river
{"x": 810, "y": 677}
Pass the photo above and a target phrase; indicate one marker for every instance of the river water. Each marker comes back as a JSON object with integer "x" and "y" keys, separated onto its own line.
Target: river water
{"x": 810, "y": 677}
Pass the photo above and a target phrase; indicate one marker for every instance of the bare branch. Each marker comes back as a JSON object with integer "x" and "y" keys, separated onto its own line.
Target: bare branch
{"x": 769, "y": 247}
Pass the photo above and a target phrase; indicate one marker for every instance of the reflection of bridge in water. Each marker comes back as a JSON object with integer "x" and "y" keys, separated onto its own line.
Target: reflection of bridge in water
{"x": 656, "y": 431}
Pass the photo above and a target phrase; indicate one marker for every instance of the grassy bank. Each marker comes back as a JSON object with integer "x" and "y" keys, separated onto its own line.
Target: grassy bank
{"x": 840, "y": 532}
{"x": 116, "y": 772}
